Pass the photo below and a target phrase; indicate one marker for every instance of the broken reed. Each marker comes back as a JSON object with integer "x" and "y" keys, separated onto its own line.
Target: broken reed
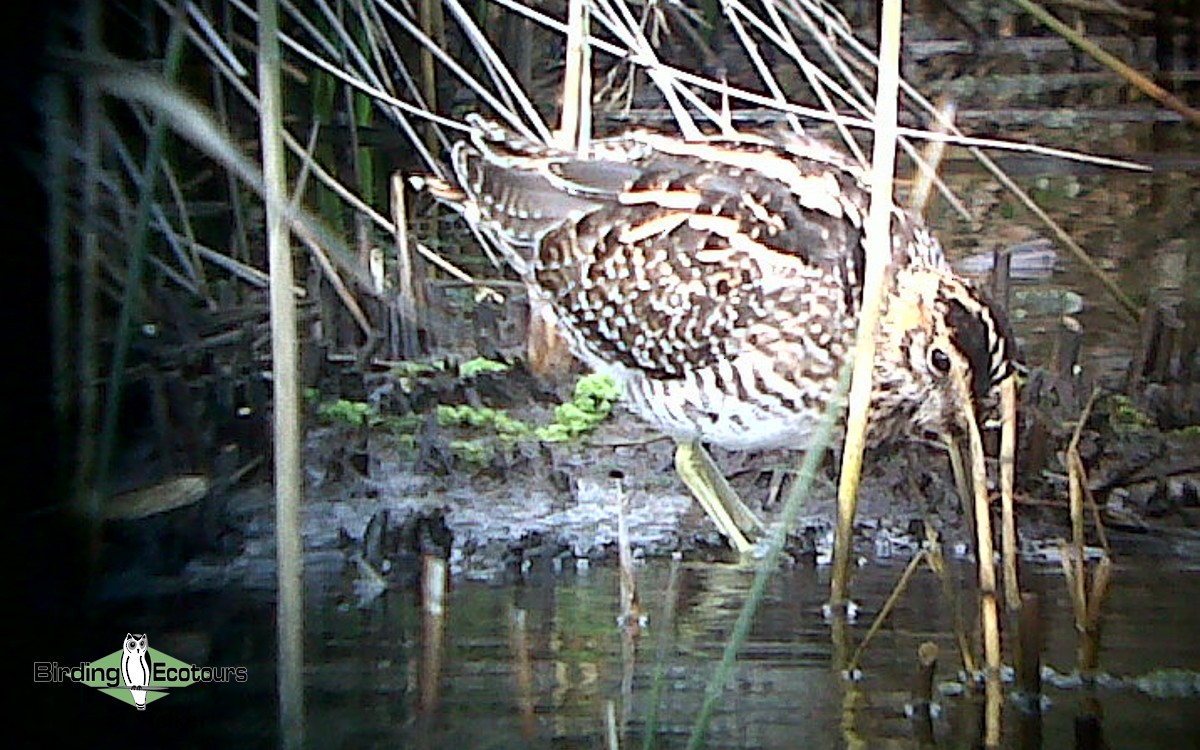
{"x": 1087, "y": 599}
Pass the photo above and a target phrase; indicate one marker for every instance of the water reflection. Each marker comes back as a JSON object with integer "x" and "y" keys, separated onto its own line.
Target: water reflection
{"x": 543, "y": 663}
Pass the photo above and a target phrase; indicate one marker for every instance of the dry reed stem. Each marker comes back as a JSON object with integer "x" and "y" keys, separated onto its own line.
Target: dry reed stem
{"x": 1098, "y": 592}
{"x": 1077, "y": 476}
{"x": 959, "y": 471}
{"x": 195, "y": 125}
{"x": 675, "y": 81}
{"x": 1111, "y": 61}
{"x": 985, "y": 553}
{"x": 1086, "y": 601}
{"x": 878, "y": 251}
{"x": 428, "y": 72}
{"x": 575, "y": 126}
{"x": 288, "y": 435}
{"x": 1088, "y": 650}
{"x": 1090, "y": 499}
{"x": 1072, "y": 571}
{"x": 631, "y": 609}
{"x": 407, "y": 290}
{"x": 764, "y": 72}
{"x": 1008, "y": 514}
{"x": 434, "y": 586}
{"x": 897, "y": 591}
{"x": 931, "y": 159}
{"x": 974, "y": 145}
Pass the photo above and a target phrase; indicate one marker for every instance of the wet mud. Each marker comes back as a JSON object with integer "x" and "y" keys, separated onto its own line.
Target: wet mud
{"x": 396, "y": 483}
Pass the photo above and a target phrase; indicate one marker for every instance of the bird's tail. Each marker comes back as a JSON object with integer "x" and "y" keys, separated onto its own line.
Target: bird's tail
{"x": 510, "y": 189}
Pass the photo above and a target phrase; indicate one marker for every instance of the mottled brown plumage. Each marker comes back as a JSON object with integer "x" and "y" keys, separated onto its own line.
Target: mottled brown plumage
{"x": 720, "y": 280}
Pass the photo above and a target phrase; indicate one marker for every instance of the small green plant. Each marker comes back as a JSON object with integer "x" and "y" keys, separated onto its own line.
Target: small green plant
{"x": 361, "y": 413}
{"x": 399, "y": 425}
{"x": 353, "y": 413}
{"x": 483, "y": 416}
{"x": 1125, "y": 417}
{"x": 592, "y": 403}
{"x": 474, "y": 451}
{"x": 597, "y": 391}
{"x": 478, "y": 366}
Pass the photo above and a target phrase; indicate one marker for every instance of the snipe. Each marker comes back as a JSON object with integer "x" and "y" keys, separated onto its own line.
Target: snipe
{"x": 720, "y": 281}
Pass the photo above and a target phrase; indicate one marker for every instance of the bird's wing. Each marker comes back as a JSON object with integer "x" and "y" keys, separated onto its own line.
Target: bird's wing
{"x": 695, "y": 260}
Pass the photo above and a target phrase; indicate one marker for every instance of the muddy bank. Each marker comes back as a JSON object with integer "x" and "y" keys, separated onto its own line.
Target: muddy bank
{"x": 472, "y": 469}
{"x": 557, "y": 505}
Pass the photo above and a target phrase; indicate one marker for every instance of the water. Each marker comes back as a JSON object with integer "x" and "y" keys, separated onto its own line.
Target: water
{"x": 1143, "y": 229}
{"x": 541, "y": 662}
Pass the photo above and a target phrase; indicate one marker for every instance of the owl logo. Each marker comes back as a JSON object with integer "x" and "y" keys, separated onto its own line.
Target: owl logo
{"x": 135, "y": 667}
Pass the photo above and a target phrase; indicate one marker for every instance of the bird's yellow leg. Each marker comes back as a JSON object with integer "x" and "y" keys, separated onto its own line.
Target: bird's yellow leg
{"x": 702, "y": 476}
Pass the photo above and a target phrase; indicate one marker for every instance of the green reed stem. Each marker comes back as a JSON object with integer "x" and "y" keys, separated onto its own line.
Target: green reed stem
{"x": 770, "y": 561}
{"x": 131, "y": 297}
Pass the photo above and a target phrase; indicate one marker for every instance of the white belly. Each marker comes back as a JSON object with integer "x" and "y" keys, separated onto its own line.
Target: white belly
{"x": 694, "y": 408}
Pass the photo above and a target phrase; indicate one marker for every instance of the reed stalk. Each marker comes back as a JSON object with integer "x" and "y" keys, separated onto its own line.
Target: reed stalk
{"x": 893, "y": 598}
{"x": 575, "y": 126}
{"x": 131, "y": 298}
{"x": 956, "y": 136}
{"x": 91, "y": 115}
{"x": 406, "y": 297}
{"x": 1087, "y": 600}
{"x": 878, "y": 254}
{"x": 1008, "y": 517}
{"x": 989, "y": 616}
{"x": 428, "y": 10}
{"x": 1110, "y": 61}
{"x": 58, "y": 238}
{"x": 289, "y": 486}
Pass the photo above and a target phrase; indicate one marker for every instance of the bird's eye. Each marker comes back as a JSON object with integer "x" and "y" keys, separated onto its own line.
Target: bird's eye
{"x": 940, "y": 361}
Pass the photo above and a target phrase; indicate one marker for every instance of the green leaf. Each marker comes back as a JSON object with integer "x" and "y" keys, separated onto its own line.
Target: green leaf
{"x": 597, "y": 388}
{"x": 472, "y": 451}
{"x": 479, "y": 365}
{"x": 354, "y": 413}
{"x": 553, "y": 433}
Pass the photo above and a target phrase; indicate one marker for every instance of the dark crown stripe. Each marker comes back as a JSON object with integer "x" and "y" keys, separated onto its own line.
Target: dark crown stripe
{"x": 981, "y": 333}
